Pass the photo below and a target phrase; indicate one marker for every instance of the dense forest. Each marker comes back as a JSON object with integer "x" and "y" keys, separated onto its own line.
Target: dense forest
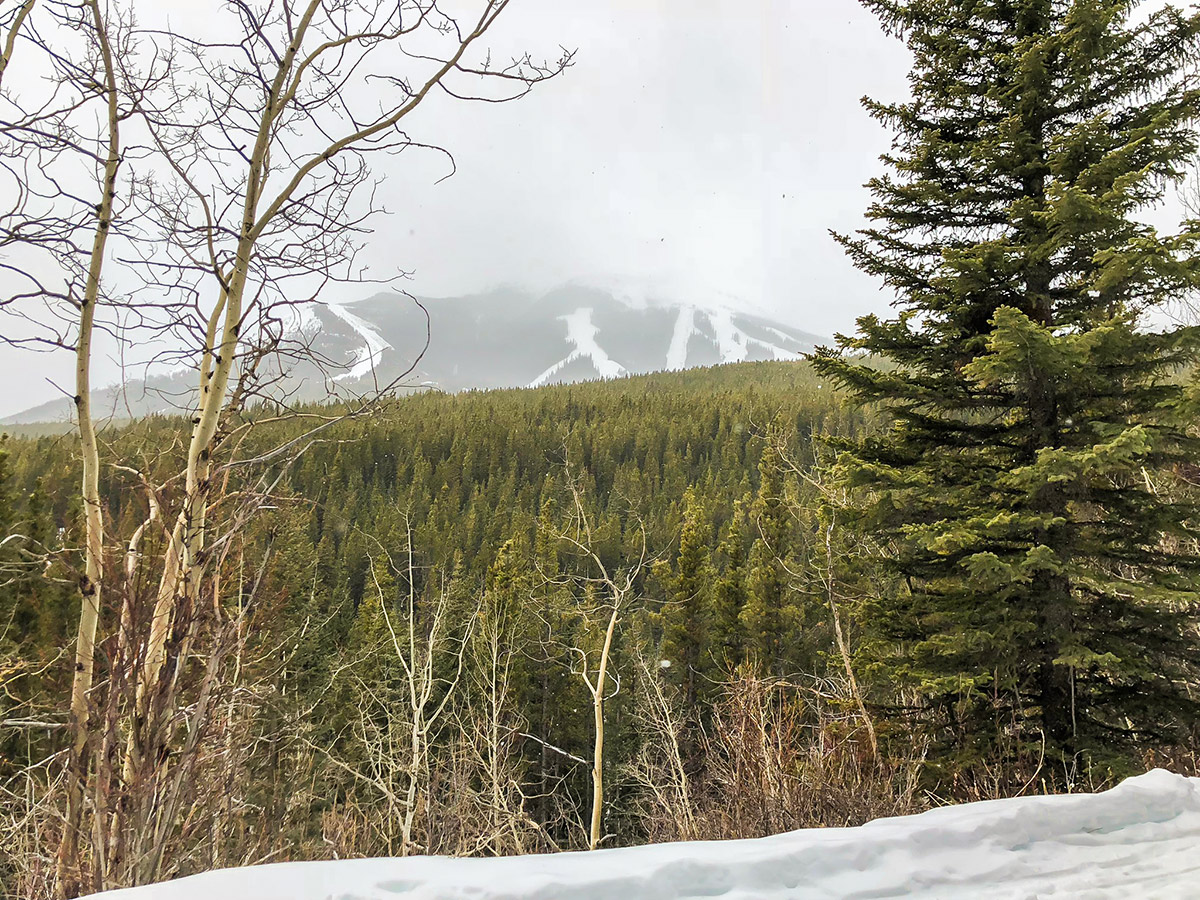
{"x": 451, "y": 521}
{"x": 428, "y": 572}
{"x": 953, "y": 556}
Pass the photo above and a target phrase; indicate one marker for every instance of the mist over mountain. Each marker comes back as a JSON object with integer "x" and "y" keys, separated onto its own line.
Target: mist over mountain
{"x": 507, "y": 337}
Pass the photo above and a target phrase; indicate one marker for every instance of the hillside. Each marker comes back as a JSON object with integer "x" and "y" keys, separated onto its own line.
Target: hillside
{"x": 503, "y": 338}
{"x": 458, "y": 509}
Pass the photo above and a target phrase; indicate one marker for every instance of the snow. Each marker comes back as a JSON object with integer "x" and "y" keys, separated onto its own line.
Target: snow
{"x": 781, "y": 334}
{"x": 658, "y": 293}
{"x": 582, "y": 333}
{"x": 364, "y": 360}
{"x": 1137, "y": 840}
{"x": 305, "y": 320}
{"x": 734, "y": 344}
{"x": 731, "y": 340}
{"x": 685, "y": 327}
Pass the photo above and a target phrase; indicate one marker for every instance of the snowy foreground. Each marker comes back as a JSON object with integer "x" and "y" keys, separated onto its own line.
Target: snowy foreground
{"x": 1141, "y": 839}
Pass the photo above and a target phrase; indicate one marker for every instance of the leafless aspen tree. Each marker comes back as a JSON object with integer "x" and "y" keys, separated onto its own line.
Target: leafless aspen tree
{"x": 492, "y": 723}
{"x": 419, "y": 661}
{"x": 610, "y": 596}
{"x": 233, "y": 173}
{"x": 289, "y": 111}
{"x": 825, "y": 566}
{"x": 660, "y": 767}
{"x": 427, "y": 647}
{"x": 12, "y": 29}
{"x": 68, "y": 217}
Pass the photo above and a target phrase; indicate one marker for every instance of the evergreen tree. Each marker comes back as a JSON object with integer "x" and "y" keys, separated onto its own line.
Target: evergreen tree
{"x": 1025, "y": 485}
{"x": 685, "y": 625}
{"x": 371, "y": 643}
{"x": 769, "y": 610}
{"x": 727, "y": 642}
{"x": 506, "y": 619}
{"x": 31, "y": 613}
{"x": 11, "y": 663}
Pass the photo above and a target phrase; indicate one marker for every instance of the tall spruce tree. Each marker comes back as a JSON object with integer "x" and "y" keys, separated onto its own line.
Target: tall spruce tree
{"x": 769, "y": 613}
{"x": 685, "y": 621}
{"x": 1028, "y": 485}
{"x": 727, "y": 644}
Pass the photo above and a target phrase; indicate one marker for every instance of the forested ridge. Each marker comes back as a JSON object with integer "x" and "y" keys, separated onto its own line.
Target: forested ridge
{"x": 726, "y": 609}
{"x": 730, "y": 712}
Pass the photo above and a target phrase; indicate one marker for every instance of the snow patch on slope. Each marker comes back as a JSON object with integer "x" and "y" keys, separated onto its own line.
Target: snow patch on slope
{"x": 782, "y": 334}
{"x": 1137, "y": 840}
{"x": 685, "y": 327}
{"x": 365, "y": 358}
{"x": 731, "y": 340}
{"x": 734, "y": 344}
{"x": 306, "y": 321}
{"x": 582, "y": 333}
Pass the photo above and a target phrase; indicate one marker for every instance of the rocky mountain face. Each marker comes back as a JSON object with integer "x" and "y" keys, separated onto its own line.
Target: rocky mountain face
{"x": 504, "y": 338}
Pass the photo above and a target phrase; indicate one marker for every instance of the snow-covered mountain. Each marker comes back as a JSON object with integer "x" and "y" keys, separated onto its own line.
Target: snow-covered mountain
{"x": 512, "y": 338}
{"x": 504, "y": 338}
{"x": 1136, "y": 840}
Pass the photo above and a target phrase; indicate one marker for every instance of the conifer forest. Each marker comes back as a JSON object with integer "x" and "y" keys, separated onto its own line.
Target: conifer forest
{"x": 950, "y": 555}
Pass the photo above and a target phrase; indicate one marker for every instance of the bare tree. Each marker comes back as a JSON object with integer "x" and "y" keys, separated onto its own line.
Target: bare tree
{"x": 287, "y": 115}
{"x": 492, "y": 725}
{"x": 660, "y": 767}
{"x": 244, "y": 191}
{"x": 54, "y": 218}
{"x": 825, "y": 565}
{"x": 12, "y": 29}
{"x": 428, "y": 646}
{"x": 609, "y": 596}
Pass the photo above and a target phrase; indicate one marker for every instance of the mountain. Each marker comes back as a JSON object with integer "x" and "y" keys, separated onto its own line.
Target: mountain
{"x": 503, "y": 338}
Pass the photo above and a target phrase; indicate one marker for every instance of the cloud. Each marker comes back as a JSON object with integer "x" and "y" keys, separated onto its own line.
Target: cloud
{"x": 700, "y": 147}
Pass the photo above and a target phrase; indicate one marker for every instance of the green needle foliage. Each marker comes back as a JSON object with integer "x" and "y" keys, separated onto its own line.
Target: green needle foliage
{"x": 685, "y": 625}
{"x": 1029, "y": 487}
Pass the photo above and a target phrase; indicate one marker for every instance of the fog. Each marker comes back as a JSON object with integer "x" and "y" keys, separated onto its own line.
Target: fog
{"x": 699, "y": 148}
{"x": 694, "y": 148}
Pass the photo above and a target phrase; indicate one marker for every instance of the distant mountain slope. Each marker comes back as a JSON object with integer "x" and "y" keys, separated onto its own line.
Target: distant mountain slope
{"x": 504, "y": 338}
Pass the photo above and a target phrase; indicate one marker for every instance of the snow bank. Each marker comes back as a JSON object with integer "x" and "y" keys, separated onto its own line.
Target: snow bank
{"x": 1138, "y": 840}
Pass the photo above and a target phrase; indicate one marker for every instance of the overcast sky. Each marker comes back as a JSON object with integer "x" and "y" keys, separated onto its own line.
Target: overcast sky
{"x": 696, "y": 148}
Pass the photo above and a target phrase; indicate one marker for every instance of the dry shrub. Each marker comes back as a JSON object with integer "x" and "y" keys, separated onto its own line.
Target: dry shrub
{"x": 347, "y": 832}
{"x": 774, "y": 757}
{"x": 29, "y": 824}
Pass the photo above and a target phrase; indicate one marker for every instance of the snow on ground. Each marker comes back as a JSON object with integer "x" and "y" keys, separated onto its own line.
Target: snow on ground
{"x": 364, "y": 359}
{"x": 582, "y": 333}
{"x": 1139, "y": 840}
